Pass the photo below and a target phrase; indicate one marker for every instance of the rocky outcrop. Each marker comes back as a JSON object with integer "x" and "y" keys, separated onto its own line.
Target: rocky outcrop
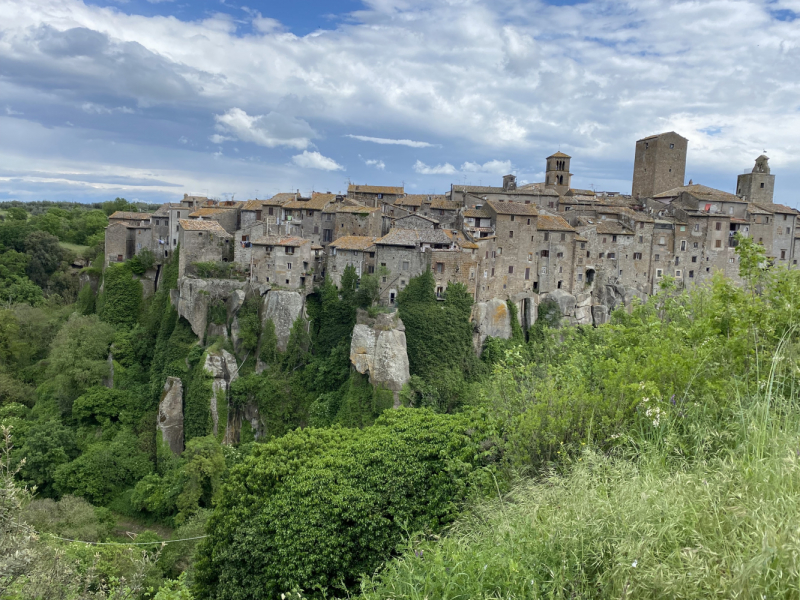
{"x": 490, "y": 319}
{"x": 194, "y": 296}
{"x": 378, "y": 347}
{"x": 222, "y": 367}
{"x": 283, "y": 307}
{"x": 613, "y": 295}
{"x": 170, "y": 415}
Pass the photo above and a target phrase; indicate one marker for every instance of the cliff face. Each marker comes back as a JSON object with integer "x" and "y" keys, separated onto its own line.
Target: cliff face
{"x": 170, "y": 415}
{"x": 378, "y": 347}
{"x": 193, "y": 297}
{"x": 283, "y": 307}
{"x": 490, "y": 319}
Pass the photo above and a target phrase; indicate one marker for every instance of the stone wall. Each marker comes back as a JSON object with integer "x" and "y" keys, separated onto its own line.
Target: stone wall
{"x": 378, "y": 347}
{"x": 284, "y": 308}
{"x": 170, "y": 415}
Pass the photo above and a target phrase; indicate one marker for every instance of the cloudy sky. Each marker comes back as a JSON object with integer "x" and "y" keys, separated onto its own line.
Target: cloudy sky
{"x": 148, "y": 99}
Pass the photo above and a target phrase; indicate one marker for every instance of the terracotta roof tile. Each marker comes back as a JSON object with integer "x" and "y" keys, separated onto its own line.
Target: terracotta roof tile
{"x": 559, "y": 154}
{"x": 477, "y": 212}
{"x": 778, "y": 208}
{"x": 360, "y": 209}
{"x": 280, "y": 199}
{"x": 413, "y": 237}
{"x": 200, "y": 225}
{"x": 206, "y": 212}
{"x": 130, "y": 216}
{"x": 552, "y": 223}
{"x": 440, "y": 203}
{"x": 353, "y": 242}
{"x": 512, "y": 208}
{"x": 318, "y": 202}
{"x": 373, "y": 189}
{"x": 253, "y": 205}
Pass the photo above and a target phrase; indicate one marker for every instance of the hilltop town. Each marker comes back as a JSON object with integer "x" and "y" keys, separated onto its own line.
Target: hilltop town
{"x": 590, "y": 251}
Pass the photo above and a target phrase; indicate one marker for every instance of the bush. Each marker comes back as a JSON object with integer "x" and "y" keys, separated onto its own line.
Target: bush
{"x": 122, "y": 296}
{"x": 319, "y": 507}
{"x": 70, "y": 517}
{"x": 86, "y": 300}
{"x": 142, "y": 262}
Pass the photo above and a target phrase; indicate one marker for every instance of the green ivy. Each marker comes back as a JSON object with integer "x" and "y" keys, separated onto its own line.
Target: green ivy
{"x": 122, "y": 296}
{"x": 197, "y": 397}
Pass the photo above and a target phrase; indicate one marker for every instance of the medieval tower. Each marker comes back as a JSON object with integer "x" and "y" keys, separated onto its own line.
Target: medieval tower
{"x": 759, "y": 184}
{"x": 557, "y": 172}
{"x": 659, "y": 165}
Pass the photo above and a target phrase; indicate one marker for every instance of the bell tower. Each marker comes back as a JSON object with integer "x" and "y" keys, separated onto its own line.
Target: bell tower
{"x": 557, "y": 173}
{"x": 758, "y": 185}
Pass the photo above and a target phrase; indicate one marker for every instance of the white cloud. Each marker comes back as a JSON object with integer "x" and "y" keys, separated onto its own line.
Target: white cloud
{"x": 378, "y": 164}
{"x": 11, "y": 112}
{"x": 315, "y": 160}
{"x": 218, "y": 139}
{"x": 270, "y": 130}
{"x": 423, "y": 169}
{"x": 498, "y": 167}
{"x": 99, "y": 109}
{"x": 183, "y": 139}
{"x": 389, "y": 141}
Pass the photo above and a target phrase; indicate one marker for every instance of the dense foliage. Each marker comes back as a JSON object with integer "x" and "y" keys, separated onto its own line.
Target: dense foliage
{"x": 316, "y": 509}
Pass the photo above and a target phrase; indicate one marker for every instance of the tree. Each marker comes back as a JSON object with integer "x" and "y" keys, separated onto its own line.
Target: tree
{"x": 752, "y": 261}
{"x": 101, "y": 406}
{"x": 113, "y": 206}
{"x": 47, "y": 445}
{"x": 104, "y": 470}
{"x": 78, "y": 358}
{"x": 317, "y": 508}
{"x": 86, "y": 300}
{"x": 349, "y": 285}
{"x": 45, "y": 256}
{"x": 122, "y": 296}
{"x": 369, "y": 291}
{"x": 17, "y": 213}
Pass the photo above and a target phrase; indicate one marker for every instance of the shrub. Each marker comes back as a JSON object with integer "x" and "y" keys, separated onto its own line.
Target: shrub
{"x": 70, "y": 517}
{"x": 122, "y": 296}
{"x": 319, "y": 507}
{"x": 86, "y": 300}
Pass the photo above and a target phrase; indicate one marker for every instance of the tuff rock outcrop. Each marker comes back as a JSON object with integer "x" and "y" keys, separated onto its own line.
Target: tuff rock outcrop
{"x": 283, "y": 307}
{"x": 194, "y": 295}
{"x": 222, "y": 367}
{"x": 378, "y": 347}
{"x": 490, "y": 319}
{"x": 170, "y": 415}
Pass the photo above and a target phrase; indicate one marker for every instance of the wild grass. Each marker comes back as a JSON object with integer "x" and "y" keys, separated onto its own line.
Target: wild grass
{"x": 700, "y": 499}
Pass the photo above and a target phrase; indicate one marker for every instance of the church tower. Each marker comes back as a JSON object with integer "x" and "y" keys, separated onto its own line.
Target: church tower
{"x": 557, "y": 173}
{"x": 659, "y": 164}
{"x": 758, "y": 185}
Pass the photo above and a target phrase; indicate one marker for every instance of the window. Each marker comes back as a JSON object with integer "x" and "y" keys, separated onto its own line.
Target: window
{"x": 492, "y": 271}
{"x": 612, "y": 255}
{"x": 683, "y": 245}
{"x": 659, "y": 272}
{"x": 546, "y": 236}
{"x": 487, "y": 254}
{"x": 694, "y": 259}
{"x": 613, "y": 238}
{"x": 583, "y": 245}
{"x": 527, "y": 273}
{"x": 328, "y": 217}
{"x": 697, "y": 227}
{"x": 550, "y": 204}
{"x": 545, "y": 253}
{"x": 641, "y": 239}
{"x": 559, "y": 284}
{"x": 511, "y": 234}
{"x": 544, "y": 270}
{"x": 316, "y": 228}
{"x": 677, "y": 260}
{"x": 563, "y": 237}
{"x": 327, "y": 235}
{"x": 671, "y": 146}
{"x": 694, "y": 245}
{"x": 289, "y": 250}
{"x": 605, "y": 240}
{"x": 439, "y": 267}
{"x": 678, "y": 273}
{"x": 788, "y": 229}
{"x": 405, "y": 265}
{"x": 683, "y": 227}
{"x": 641, "y": 224}
{"x": 662, "y": 241}
{"x": 637, "y": 256}
{"x": 718, "y": 244}
{"x": 731, "y": 260}
{"x": 601, "y": 255}
{"x": 580, "y": 277}
{"x": 272, "y": 211}
{"x": 559, "y": 255}
{"x": 494, "y": 254}
{"x": 512, "y": 218}
{"x": 691, "y": 274}
{"x": 289, "y": 266}
{"x": 529, "y": 221}
{"x": 783, "y": 254}
{"x": 560, "y": 269}
{"x": 530, "y": 256}
{"x": 499, "y": 251}
{"x": 718, "y": 225}
{"x": 657, "y": 257}
{"x": 370, "y": 269}
{"x": 510, "y": 270}
{"x": 762, "y": 184}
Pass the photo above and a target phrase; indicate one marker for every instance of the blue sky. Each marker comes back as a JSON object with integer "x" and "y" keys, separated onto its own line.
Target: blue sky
{"x": 150, "y": 100}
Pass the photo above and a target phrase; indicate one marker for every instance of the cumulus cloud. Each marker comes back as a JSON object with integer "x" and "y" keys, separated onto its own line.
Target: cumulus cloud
{"x": 498, "y": 167}
{"x": 389, "y": 141}
{"x": 445, "y": 169}
{"x": 315, "y": 160}
{"x": 378, "y": 164}
{"x": 218, "y": 139}
{"x": 270, "y": 130}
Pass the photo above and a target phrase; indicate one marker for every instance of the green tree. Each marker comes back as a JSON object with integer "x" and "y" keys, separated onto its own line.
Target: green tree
{"x": 752, "y": 261}
{"x": 17, "y": 213}
{"x": 102, "y": 406}
{"x": 319, "y": 507}
{"x": 86, "y": 300}
{"x": 46, "y": 446}
{"x": 44, "y": 254}
{"x": 104, "y": 470}
{"x": 113, "y": 206}
{"x": 269, "y": 344}
{"x": 122, "y": 302}
{"x": 78, "y": 358}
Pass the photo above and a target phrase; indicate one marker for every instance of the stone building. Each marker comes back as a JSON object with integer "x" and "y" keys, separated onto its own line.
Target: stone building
{"x": 227, "y": 214}
{"x": 303, "y": 217}
{"x": 285, "y": 262}
{"x": 415, "y": 221}
{"x": 126, "y": 235}
{"x": 202, "y": 241}
{"x": 659, "y": 164}
{"x": 161, "y": 233}
{"x": 758, "y": 185}
{"x": 355, "y": 250}
{"x": 557, "y": 175}
{"x": 374, "y": 195}
{"x": 358, "y": 220}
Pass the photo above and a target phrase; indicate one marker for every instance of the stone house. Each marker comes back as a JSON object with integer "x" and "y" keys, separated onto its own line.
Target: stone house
{"x": 126, "y": 235}
{"x": 477, "y": 222}
{"x": 415, "y": 221}
{"x": 355, "y": 220}
{"x": 252, "y": 212}
{"x": 374, "y": 195}
{"x": 202, "y": 241}
{"x": 227, "y": 214}
{"x": 161, "y": 233}
{"x": 461, "y": 264}
{"x": 284, "y": 262}
{"x": 303, "y": 217}
{"x": 356, "y": 250}
{"x": 406, "y": 253}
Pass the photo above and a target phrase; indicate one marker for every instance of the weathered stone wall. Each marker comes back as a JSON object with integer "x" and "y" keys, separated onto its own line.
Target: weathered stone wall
{"x": 195, "y": 295}
{"x": 395, "y": 258}
{"x": 490, "y": 319}
{"x": 170, "y": 415}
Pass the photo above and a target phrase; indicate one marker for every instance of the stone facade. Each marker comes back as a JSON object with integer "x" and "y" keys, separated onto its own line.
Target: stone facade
{"x": 659, "y": 164}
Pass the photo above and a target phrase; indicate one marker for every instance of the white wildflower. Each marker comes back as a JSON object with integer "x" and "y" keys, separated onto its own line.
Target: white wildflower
{"x": 634, "y": 563}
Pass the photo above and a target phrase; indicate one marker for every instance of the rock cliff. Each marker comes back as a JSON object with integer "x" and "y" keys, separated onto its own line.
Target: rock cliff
{"x": 283, "y": 307}
{"x": 222, "y": 367}
{"x": 378, "y": 347}
{"x": 490, "y": 319}
{"x": 193, "y": 296}
{"x": 170, "y": 415}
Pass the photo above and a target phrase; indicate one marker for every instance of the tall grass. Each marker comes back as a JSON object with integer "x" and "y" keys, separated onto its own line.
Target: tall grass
{"x": 699, "y": 500}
